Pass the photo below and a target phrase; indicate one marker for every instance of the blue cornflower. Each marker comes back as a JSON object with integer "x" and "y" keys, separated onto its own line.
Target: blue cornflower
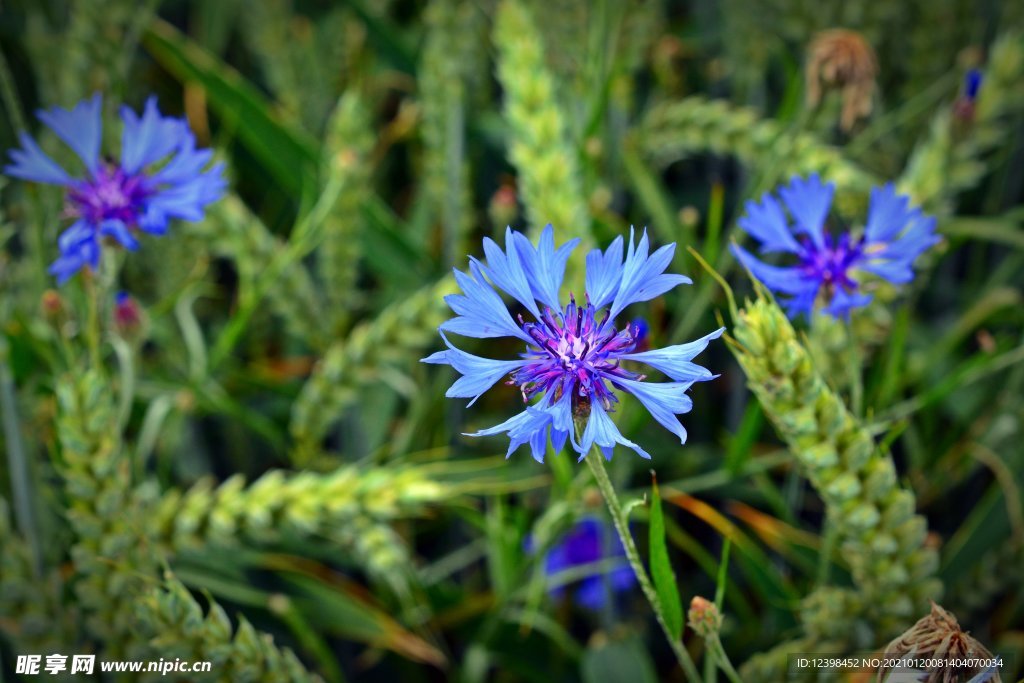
{"x": 589, "y": 542}
{"x": 827, "y": 264}
{"x": 115, "y": 199}
{"x": 574, "y": 356}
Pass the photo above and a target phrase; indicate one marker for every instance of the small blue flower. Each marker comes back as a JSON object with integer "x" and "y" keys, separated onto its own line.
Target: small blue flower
{"x": 972, "y": 84}
{"x": 572, "y": 366}
{"x": 591, "y": 541}
{"x": 160, "y": 176}
{"x": 827, "y": 265}
{"x": 964, "y": 106}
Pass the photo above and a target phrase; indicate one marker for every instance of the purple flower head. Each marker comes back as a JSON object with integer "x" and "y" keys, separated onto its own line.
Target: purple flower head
{"x": 828, "y": 266}
{"x": 590, "y": 542}
{"x": 572, "y": 367}
{"x": 160, "y": 176}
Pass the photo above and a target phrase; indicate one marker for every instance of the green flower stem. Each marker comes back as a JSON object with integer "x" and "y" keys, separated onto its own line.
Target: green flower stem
{"x": 717, "y": 652}
{"x": 596, "y": 463}
{"x": 93, "y": 331}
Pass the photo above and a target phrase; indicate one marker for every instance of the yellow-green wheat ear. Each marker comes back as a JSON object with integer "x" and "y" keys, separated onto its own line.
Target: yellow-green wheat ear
{"x": 539, "y": 144}
{"x": 880, "y": 536}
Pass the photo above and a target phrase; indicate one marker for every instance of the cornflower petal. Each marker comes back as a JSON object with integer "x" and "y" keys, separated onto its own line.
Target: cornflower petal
{"x": 888, "y": 214}
{"x": 896, "y": 272}
{"x": 153, "y": 221}
{"x": 778, "y": 279}
{"x": 479, "y": 374}
{"x": 187, "y": 163}
{"x": 600, "y": 430}
{"x": 918, "y": 238}
{"x": 80, "y": 231}
{"x": 643, "y": 277}
{"x": 843, "y": 302}
{"x": 809, "y": 201}
{"x": 533, "y": 426}
{"x": 119, "y": 231}
{"x": 32, "y": 163}
{"x": 663, "y": 400}
{"x": 79, "y": 128}
{"x": 910, "y": 234}
{"x": 544, "y": 265}
{"x": 480, "y": 311}
{"x": 149, "y": 138}
{"x": 801, "y": 305}
{"x": 766, "y": 222}
{"x": 521, "y": 428}
{"x": 674, "y": 361}
{"x": 188, "y": 200}
{"x": 604, "y": 273}
{"x": 506, "y": 272}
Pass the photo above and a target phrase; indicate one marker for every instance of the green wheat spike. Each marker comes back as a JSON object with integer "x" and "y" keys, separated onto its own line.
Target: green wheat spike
{"x": 400, "y": 332}
{"x": 454, "y": 44}
{"x": 109, "y": 553}
{"x": 880, "y": 536}
{"x": 351, "y": 506}
{"x": 171, "y": 622}
{"x": 539, "y": 146}
{"x": 346, "y": 164}
{"x": 33, "y": 616}
{"x": 674, "y": 130}
{"x": 117, "y": 563}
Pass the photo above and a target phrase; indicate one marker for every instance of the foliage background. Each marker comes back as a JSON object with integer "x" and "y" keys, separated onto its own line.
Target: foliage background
{"x": 370, "y": 146}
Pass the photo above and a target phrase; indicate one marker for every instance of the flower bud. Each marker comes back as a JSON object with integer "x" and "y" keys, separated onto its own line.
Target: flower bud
{"x": 704, "y": 617}
{"x": 127, "y": 315}
{"x": 52, "y": 304}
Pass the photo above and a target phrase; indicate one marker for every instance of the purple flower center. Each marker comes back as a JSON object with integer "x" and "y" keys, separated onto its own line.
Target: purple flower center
{"x": 111, "y": 195}
{"x": 576, "y": 354}
{"x": 831, "y": 263}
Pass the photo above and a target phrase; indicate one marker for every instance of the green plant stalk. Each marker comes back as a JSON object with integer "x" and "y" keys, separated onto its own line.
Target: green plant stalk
{"x": 21, "y": 481}
{"x": 717, "y": 652}
{"x": 93, "y": 332}
{"x": 595, "y": 462}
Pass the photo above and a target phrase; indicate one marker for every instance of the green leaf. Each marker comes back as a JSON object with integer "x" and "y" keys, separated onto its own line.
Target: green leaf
{"x": 287, "y": 154}
{"x": 618, "y": 660}
{"x": 661, "y": 569}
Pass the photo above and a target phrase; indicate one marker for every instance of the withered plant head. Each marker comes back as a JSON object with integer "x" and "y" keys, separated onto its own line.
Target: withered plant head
{"x": 938, "y": 637}
{"x": 842, "y": 59}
